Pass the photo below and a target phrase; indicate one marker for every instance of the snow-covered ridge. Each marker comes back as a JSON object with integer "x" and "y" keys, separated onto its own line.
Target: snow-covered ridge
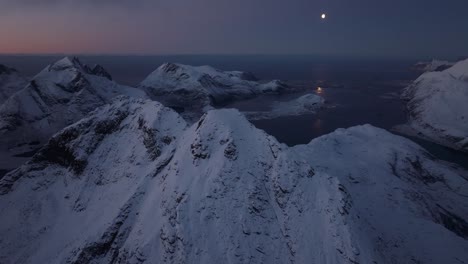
{"x": 306, "y": 104}
{"x": 434, "y": 65}
{"x": 59, "y": 95}
{"x": 438, "y": 106}
{"x": 199, "y": 87}
{"x": 11, "y": 81}
{"x": 135, "y": 184}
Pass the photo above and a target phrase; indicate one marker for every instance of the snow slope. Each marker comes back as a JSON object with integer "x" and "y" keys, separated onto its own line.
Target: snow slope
{"x": 59, "y": 95}
{"x": 10, "y": 82}
{"x": 191, "y": 88}
{"x": 434, "y": 65}
{"x": 135, "y": 184}
{"x": 306, "y": 104}
{"x": 438, "y": 106}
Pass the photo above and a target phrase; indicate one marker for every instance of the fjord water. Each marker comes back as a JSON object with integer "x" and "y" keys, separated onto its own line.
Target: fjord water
{"x": 357, "y": 91}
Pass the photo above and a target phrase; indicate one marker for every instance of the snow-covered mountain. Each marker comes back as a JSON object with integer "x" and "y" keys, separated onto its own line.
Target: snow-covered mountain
{"x": 195, "y": 89}
{"x": 59, "y": 95}
{"x": 133, "y": 183}
{"x": 306, "y": 104}
{"x": 438, "y": 106}
{"x": 434, "y": 65}
{"x": 11, "y": 81}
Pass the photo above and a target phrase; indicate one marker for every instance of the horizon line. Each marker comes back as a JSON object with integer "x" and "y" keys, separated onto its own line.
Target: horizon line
{"x": 329, "y": 55}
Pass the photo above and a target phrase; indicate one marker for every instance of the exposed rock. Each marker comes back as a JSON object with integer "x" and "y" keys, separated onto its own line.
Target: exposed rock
{"x": 11, "y": 81}
{"x": 98, "y": 70}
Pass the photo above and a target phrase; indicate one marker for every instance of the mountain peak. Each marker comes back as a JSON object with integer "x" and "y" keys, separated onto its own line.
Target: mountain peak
{"x": 76, "y": 64}
{"x": 67, "y": 63}
{"x": 169, "y": 67}
{"x": 136, "y": 184}
{"x": 58, "y": 96}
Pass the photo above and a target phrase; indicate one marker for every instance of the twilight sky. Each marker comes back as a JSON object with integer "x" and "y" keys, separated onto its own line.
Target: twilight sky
{"x": 386, "y": 28}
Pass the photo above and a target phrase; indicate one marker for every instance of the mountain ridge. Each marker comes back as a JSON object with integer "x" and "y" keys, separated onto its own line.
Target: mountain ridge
{"x": 437, "y": 107}
{"x": 221, "y": 190}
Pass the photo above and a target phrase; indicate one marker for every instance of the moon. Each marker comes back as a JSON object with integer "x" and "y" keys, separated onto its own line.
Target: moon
{"x": 323, "y": 16}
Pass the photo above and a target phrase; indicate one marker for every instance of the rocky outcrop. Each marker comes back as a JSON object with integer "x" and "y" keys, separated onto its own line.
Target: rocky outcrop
{"x": 98, "y": 70}
{"x": 11, "y": 81}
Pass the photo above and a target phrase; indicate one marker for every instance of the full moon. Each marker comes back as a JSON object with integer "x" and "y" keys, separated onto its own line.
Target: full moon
{"x": 324, "y": 16}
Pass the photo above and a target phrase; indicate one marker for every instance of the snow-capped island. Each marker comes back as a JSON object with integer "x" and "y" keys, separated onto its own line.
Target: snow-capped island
{"x": 306, "y": 104}
{"x": 195, "y": 89}
{"x": 134, "y": 183}
{"x": 438, "y": 107}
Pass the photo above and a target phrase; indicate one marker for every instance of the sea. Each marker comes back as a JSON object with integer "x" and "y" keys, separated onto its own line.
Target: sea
{"x": 357, "y": 91}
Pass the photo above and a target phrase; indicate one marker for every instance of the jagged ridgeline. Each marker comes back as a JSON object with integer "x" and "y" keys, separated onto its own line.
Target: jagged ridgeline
{"x": 58, "y": 96}
{"x": 134, "y": 183}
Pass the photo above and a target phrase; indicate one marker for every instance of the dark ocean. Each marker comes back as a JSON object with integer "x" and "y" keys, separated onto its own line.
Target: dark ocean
{"x": 357, "y": 91}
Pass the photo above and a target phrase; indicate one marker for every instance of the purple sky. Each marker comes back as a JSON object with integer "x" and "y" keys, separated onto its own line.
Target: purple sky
{"x": 353, "y": 27}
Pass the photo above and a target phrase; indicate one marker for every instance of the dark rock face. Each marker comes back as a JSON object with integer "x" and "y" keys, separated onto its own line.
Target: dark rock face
{"x": 248, "y": 76}
{"x": 442, "y": 68}
{"x": 6, "y": 70}
{"x": 170, "y": 67}
{"x": 98, "y": 70}
{"x": 452, "y": 222}
{"x": 209, "y": 82}
{"x": 59, "y": 152}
